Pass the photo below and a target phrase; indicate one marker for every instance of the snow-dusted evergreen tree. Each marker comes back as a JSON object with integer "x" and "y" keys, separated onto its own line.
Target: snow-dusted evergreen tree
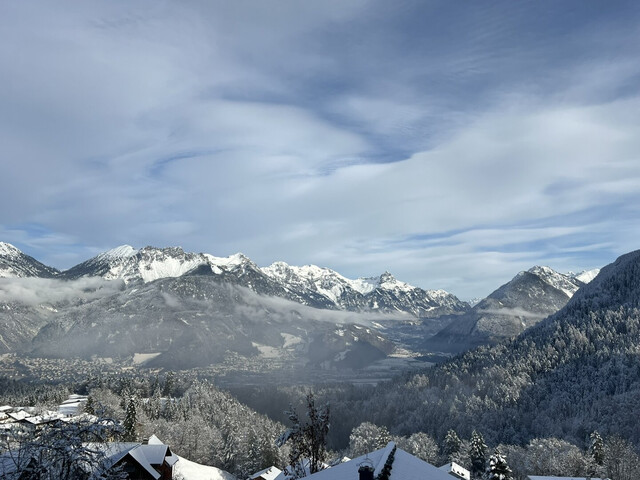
{"x": 477, "y": 454}
{"x": 130, "y": 421}
{"x": 451, "y": 446}
{"x": 90, "y": 406}
{"x": 498, "y": 468}
{"x": 366, "y": 438}
{"x": 596, "y": 449}
{"x": 307, "y": 440}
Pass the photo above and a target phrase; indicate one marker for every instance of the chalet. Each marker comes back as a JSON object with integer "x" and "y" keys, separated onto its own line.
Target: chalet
{"x": 389, "y": 463}
{"x": 152, "y": 460}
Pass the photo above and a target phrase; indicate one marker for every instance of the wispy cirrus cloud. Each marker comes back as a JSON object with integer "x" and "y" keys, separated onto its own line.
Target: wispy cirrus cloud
{"x": 453, "y": 145}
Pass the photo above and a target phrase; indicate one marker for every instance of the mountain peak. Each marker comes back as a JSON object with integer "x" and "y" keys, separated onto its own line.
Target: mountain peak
{"x": 8, "y": 250}
{"x": 586, "y": 276}
{"x": 123, "y": 251}
{"x": 387, "y": 277}
{"x": 14, "y": 263}
{"x": 228, "y": 263}
{"x": 565, "y": 283}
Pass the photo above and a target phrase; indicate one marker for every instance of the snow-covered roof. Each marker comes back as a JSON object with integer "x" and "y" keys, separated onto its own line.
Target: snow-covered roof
{"x": 267, "y": 474}
{"x": 47, "y": 417}
{"x": 170, "y": 457}
{"x": 189, "y": 470}
{"x": 20, "y": 415}
{"x": 404, "y": 467}
{"x": 456, "y": 470}
{"x": 155, "y": 454}
{"x": 153, "y": 440}
{"x": 139, "y": 456}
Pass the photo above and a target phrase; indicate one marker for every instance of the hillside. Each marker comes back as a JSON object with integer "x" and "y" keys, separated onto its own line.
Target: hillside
{"x": 573, "y": 373}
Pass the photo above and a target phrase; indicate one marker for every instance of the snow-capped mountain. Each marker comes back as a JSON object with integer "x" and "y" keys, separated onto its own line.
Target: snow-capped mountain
{"x": 131, "y": 265}
{"x": 567, "y": 284}
{"x": 380, "y": 294}
{"x": 528, "y": 298}
{"x": 586, "y": 276}
{"x": 309, "y": 285}
{"x": 14, "y": 263}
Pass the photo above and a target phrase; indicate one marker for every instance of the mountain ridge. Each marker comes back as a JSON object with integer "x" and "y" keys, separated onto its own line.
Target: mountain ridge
{"x": 310, "y": 285}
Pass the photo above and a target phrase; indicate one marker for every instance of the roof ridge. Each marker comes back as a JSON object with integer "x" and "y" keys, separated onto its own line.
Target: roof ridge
{"x": 383, "y": 468}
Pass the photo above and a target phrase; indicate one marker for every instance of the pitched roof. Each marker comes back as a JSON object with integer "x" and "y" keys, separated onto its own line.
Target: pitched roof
{"x": 404, "y": 467}
{"x": 116, "y": 451}
{"x": 138, "y": 455}
{"x": 268, "y": 473}
{"x": 170, "y": 457}
{"x": 154, "y": 453}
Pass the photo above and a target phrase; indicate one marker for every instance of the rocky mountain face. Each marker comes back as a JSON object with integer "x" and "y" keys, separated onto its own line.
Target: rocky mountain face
{"x": 377, "y": 294}
{"x": 15, "y": 264}
{"x": 517, "y": 305}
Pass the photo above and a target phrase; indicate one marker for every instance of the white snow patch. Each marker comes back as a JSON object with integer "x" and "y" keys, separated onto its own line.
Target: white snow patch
{"x": 167, "y": 267}
{"x": 587, "y": 275}
{"x": 290, "y": 340}
{"x": 123, "y": 251}
{"x": 266, "y": 351}
{"x": 226, "y": 263}
{"x": 140, "y": 358}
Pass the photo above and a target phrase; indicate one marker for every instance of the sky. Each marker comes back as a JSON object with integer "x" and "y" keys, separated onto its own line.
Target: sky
{"x": 450, "y": 143}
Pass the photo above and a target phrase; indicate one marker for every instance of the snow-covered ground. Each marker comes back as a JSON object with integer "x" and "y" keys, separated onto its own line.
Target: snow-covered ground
{"x": 188, "y": 470}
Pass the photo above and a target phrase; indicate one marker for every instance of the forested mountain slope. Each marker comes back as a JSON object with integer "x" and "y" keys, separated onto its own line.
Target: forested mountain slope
{"x": 575, "y": 372}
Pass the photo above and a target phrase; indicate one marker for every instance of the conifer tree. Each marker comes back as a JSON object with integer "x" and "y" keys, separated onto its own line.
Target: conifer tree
{"x": 89, "y": 407}
{"x": 130, "y": 421}
{"x": 452, "y": 445}
{"x": 498, "y": 468}
{"x": 477, "y": 454}
{"x": 596, "y": 448}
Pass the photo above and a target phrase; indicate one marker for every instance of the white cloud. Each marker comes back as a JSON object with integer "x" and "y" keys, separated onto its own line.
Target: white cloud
{"x": 39, "y": 291}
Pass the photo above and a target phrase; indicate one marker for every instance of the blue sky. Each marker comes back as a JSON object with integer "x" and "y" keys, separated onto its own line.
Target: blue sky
{"x": 451, "y": 143}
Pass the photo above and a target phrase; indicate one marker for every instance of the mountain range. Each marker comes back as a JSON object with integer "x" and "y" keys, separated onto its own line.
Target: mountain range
{"x": 192, "y": 309}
